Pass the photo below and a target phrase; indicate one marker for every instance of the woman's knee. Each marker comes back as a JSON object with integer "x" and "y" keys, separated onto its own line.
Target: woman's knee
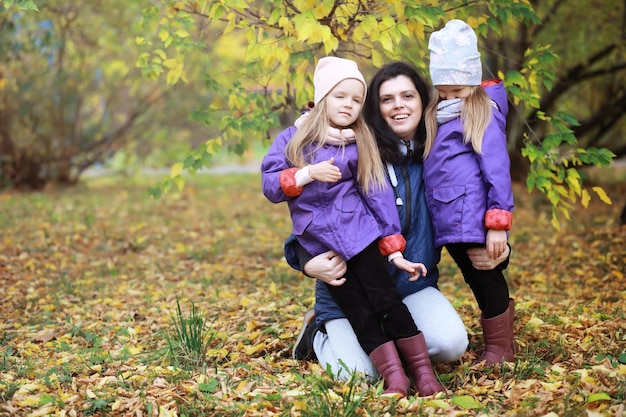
{"x": 339, "y": 353}
{"x": 447, "y": 348}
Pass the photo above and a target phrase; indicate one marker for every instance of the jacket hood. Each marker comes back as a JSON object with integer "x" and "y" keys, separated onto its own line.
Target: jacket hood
{"x": 495, "y": 89}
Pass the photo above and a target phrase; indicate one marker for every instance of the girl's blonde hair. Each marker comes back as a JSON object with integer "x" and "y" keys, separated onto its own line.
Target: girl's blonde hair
{"x": 311, "y": 136}
{"x": 475, "y": 117}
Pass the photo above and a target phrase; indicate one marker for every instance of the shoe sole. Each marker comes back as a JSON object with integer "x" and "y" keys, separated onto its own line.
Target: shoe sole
{"x": 310, "y": 315}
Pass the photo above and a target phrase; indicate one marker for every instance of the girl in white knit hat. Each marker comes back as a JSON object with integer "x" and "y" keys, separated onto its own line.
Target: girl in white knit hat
{"x": 467, "y": 176}
{"x": 330, "y": 172}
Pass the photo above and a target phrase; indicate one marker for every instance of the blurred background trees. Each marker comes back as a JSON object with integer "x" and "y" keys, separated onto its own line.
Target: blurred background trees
{"x": 162, "y": 82}
{"x": 71, "y": 95}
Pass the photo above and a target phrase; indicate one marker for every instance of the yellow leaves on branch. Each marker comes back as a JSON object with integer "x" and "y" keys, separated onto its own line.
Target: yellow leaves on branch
{"x": 311, "y": 31}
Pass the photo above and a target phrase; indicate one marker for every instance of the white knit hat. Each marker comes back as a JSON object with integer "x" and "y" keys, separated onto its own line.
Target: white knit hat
{"x": 330, "y": 71}
{"x": 454, "y": 56}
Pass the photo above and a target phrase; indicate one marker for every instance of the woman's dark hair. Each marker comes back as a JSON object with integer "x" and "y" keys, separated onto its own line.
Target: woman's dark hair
{"x": 388, "y": 142}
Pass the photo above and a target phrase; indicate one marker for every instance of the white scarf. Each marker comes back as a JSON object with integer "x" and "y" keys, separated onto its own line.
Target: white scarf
{"x": 449, "y": 110}
{"x": 336, "y": 137}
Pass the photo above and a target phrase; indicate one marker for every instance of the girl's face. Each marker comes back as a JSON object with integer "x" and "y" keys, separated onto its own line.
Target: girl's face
{"x": 344, "y": 102}
{"x": 400, "y": 106}
{"x": 448, "y": 92}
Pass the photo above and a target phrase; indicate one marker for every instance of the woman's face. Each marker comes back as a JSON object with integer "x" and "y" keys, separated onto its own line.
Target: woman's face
{"x": 400, "y": 106}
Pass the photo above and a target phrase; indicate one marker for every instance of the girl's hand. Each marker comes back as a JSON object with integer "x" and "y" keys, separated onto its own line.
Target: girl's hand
{"x": 411, "y": 267}
{"x": 325, "y": 171}
{"x": 496, "y": 242}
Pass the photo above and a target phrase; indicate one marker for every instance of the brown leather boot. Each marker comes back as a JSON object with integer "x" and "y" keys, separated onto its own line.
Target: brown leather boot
{"x": 499, "y": 340}
{"x": 415, "y": 354}
{"x": 388, "y": 364}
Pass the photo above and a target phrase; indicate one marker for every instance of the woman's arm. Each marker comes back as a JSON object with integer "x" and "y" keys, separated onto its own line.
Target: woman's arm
{"x": 327, "y": 267}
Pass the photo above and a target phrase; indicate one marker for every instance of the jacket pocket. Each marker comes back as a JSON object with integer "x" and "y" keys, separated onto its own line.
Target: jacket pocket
{"x": 448, "y": 215}
{"x": 352, "y": 220}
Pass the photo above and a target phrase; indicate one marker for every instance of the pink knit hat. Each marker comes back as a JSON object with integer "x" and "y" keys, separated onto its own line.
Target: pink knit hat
{"x": 330, "y": 71}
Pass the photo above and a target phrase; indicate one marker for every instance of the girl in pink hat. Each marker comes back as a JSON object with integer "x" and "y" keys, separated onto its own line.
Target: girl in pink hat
{"x": 330, "y": 173}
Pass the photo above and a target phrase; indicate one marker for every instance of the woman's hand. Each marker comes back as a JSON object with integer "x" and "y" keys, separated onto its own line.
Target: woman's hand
{"x": 482, "y": 261}
{"x": 327, "y": 267}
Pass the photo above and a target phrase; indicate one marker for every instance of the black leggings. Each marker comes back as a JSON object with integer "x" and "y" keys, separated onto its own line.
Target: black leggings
{"x": 371, "y": 302}
{"x": 489, "y": 287}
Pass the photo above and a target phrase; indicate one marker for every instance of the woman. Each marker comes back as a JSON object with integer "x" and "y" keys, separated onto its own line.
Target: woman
{"x": 394, "y": 109}
{"x": 330, "y": 173}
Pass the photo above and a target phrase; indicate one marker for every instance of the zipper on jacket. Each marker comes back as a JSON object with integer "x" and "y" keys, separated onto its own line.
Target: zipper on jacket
{"x": 407, "y": 200}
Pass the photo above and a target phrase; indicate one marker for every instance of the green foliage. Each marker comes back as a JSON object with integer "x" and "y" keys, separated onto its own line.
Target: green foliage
{"x": 189, "y": 339}
{"x": 21, "y": 5}
{"x": 282, "y": 44}
{"x": 260, "y": 58}
{"x": 554, "y": 157}
{"x": 331, "y": 398}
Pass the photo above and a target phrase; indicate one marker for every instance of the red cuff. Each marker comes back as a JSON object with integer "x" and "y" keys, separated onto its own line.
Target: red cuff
{"x": 390, "y": 244}
{"x": 287, "y": 179}
{"x": 498, "y": 219}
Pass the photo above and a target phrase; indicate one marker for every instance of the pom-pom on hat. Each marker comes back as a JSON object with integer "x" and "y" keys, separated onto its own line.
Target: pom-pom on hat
{"x": 454, "y": 56}
{"x": 330, "y": 71}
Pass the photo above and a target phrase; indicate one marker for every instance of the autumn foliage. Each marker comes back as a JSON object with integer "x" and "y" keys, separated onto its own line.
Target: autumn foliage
{"x": 91, "y": 279}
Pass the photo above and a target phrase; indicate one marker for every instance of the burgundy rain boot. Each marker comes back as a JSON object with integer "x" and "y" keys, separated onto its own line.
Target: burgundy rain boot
{"x": 512, "y": 321}
{"x": 415, "y": 354}
{"x": 499, "y": 341}
{"x": 388, "y": 364}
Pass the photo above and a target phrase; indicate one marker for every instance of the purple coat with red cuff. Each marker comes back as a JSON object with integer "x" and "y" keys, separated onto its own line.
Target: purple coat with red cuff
{"x": 337, "y": 216}
{"x": 468, "y": 193}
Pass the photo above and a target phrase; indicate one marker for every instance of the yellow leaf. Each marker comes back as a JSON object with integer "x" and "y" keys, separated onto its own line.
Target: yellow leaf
{"x": 252, "y": 349}
{"x": 551, "y": 386}
{"x": 134, "y": 350}
{"x": 466, "y": 401}
{"x": 585, "y": 198}
{"x": 438, "y": 404}
{"x": 164, "y": 412}
{"x": 177, "y": 169}
{"x": 299, "y": 404}
{"x": 273, "y": 288}
{"x": 605, "y": 198}
{"x": 555, "y": 223}
{"x": 29, "y": 401}
{"x": 116, "y": 405}
{"x": 377, "y": 58}
{"x": 245, "y": 302}
{"x": 534, "y": 322}
{"x": 170, "y": 63}
{"x": 46, "y": 410}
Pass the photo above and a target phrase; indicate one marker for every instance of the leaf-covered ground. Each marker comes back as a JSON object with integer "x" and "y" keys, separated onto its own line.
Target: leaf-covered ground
{"x": 91, "y": 279}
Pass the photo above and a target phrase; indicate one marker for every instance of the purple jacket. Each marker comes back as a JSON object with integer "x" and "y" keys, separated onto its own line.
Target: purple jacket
{"x": 461, "y": 185}
{"x": 337, "y": 216}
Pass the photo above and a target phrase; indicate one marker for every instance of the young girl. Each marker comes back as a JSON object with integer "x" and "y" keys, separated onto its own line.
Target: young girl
{"x": 330, "y": 172}
{"x": 467, "y": 176}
